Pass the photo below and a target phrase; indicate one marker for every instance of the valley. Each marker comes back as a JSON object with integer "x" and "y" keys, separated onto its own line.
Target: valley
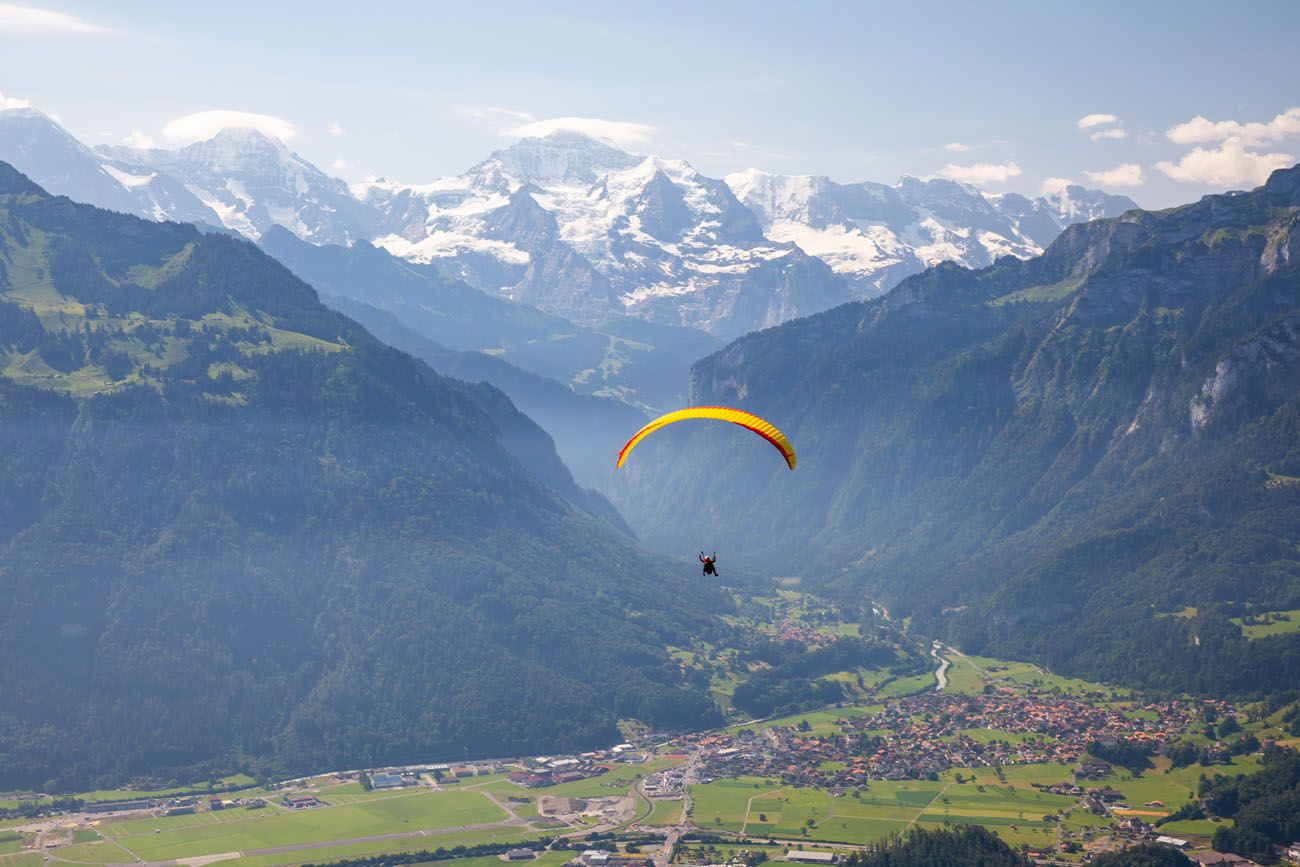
{"x": 1054, "y": 766}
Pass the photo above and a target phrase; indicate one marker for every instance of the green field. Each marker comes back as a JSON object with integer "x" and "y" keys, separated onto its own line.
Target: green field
{"x": 822, "y": 722}
{"x": 1280, "y": 623}
{"x": 665, "y": 813}
{"x": 242, "y": 830}
{"x": 1014, "y": 809}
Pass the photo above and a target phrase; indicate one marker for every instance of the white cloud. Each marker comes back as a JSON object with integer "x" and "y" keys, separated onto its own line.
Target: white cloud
{"x": 493, "y": 113}
{"x": 1123, "y": 175}
{"x": 7, "y": 102}
{"x": 139, "y": 140}
{"x": 205, "y": 124}
{"x": 622, "y": 133}
{"x": 337, "y": 129}
{"x": 33, "y": 21}
{"x": 1101, "y": 134}
{"x": 1088, "y": 121}
{"x": 957, "y": 147}
{"x": 741, "y": 144}
{"x": 1200, "y": 130}
{"x": 980, "y": 173}
{"x": 340, "y": 164}
{"x": 1227, "y": 165}
{"x": 1054, "y": 185}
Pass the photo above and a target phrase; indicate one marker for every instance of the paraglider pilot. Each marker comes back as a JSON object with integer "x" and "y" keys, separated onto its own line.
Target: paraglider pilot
{"x": 709, "y": 568}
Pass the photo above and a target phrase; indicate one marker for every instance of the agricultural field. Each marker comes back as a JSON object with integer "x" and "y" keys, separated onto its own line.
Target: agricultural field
{"x": 967, "y": 675}
{"x": 1270, "y": 623}
{"x": 169, "y": 838}
{"x": 664, "y": 813}
{"x": 761, "y": 808}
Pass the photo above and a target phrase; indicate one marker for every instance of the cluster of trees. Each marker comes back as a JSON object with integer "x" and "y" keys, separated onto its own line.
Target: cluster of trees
{"x": 1132, "y": 754}
{"x": 791, "y": 682}
{"x": 959, "y": 846}
{"x": 1264, "y": 806}
{"x": 442, "y": 853}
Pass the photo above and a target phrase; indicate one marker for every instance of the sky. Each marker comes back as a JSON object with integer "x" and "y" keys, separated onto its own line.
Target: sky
{"x": 1161, "y": 101}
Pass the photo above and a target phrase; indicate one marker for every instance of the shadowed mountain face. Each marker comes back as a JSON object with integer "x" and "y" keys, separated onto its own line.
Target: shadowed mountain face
{"x": 238, "y": 531}
{"x": 1042, "y": 457}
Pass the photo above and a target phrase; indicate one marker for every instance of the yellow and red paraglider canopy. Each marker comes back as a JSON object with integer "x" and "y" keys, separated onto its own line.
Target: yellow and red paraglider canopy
{"x": 747, "y": 420}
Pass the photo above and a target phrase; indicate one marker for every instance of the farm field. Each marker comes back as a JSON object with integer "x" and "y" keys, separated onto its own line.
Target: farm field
{"x": 665, "y": 813}
{"x": 242, "y": 830}
{"x": 1279, "y": 623}
{"x": 1013, "y": 809}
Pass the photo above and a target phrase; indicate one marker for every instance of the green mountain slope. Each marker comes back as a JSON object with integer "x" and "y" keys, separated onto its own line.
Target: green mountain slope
{"x": 238, "y": 531}
{"x": 1042, "y": 458}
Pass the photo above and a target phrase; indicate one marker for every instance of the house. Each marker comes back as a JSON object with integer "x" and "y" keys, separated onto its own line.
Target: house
{"x": 300, "y": 802}
{"x": 1293, "y": 852}
{"x": 178, "y": 811}
{"x": 594, "y": 858}
{"x": 1176, "y": 842}
{"x": 215, "y": 804}
{"x": 520, "y": 855}
{"x": 804, "y": 857}
{"x": 387, "y": 781}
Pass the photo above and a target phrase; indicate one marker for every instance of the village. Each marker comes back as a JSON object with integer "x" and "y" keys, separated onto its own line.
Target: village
{"x": 920, "y": 736}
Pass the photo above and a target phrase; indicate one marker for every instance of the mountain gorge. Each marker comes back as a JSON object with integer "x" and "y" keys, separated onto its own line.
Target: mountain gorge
{"x": 276, "y": 543}
{"x": 1090, "y": 458}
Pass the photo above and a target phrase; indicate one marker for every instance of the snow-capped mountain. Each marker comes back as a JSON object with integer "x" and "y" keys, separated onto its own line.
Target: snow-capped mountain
{"x": 251, "y": 182}
{"x": 585, "y": 230}
{"x": 55, "y": 159}
{"x": 874, "y": 235}
{"x": 577, "y": 227}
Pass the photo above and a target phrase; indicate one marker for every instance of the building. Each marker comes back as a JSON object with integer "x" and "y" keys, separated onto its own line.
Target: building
{"x": 520, "y": 855}
{"x": 300, "y": 802}
{"x": 387, "y": 781}
{"x": 215, "y": 804}
{"x": 115, "y": 806}
{"x": 811, "y": 857}
{"x": 594, "y": 858}
{"x": 1176, "y": 842}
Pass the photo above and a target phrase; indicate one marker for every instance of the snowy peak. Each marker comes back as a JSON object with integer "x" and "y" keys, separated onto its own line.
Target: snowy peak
{"x": 248, "y": 181}
{"x": 235, "y": 150}
{"x": 562, "y": 157}
{"x": 874, "y": 235}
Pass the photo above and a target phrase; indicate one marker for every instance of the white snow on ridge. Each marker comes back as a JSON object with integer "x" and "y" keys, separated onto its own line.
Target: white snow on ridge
{"x": 127, "y": 180}
{"x": 442, "y": 245}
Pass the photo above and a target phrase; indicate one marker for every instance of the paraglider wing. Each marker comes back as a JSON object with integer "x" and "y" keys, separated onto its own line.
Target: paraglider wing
{"x": 746, "y": 420}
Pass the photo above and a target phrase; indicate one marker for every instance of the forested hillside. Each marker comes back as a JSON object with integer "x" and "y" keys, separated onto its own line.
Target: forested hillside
{"x": 237, "y": 531}
{"x": 1091, "y": 458}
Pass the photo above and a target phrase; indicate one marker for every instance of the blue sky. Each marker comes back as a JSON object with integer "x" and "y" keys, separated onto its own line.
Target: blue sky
{"x": 990, "y": 93}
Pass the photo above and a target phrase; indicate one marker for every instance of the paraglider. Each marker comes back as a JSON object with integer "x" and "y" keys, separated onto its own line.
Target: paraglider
{"x": 709, "y": 568}
{"x": 749, "y": 421}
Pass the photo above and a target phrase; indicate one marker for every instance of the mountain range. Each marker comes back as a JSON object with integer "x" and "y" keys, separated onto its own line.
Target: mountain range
{"x": 1089, "y": 458}
{"x": 278, "y": 543}
{"x": 576, "y": 227}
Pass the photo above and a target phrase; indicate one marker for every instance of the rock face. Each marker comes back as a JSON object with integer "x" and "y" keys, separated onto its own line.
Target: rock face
{"x": 1069, "y": 443}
